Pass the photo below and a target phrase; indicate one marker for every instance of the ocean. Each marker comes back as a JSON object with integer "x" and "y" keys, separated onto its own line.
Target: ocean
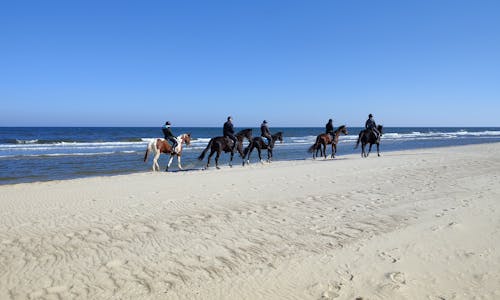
{"x": 30, "y": 154}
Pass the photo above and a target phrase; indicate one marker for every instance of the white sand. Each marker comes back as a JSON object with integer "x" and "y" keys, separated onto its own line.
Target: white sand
{"x": 420, "y": 224}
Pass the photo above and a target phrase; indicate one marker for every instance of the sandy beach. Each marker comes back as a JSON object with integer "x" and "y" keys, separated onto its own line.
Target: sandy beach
{"x": 418, "y": 224}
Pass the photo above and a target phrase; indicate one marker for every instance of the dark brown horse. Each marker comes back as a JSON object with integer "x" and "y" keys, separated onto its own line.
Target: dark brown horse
{"x": 222, "y": 144}
{"x": 259, "y": 144}
{"x": 326, "y": 139}
{"x": 159, "y": 146}
{"x": 367, "y": 136}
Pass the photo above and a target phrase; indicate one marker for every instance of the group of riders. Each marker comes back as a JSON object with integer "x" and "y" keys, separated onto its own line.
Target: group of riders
{"x": 228, "y": 131}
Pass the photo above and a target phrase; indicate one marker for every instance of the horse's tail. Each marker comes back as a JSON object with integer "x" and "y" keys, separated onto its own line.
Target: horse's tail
{"x": 359, "y": 139}
{"x": 314, "y": 146}
{"x": 202, "y": 155}
{"x": 150, "y": 146}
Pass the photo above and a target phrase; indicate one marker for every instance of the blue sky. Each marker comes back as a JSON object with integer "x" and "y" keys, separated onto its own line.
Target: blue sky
{"x": 294, "y": 63}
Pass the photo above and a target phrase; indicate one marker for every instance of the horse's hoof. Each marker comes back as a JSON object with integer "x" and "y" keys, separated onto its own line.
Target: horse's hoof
{"x": 218, "y": 168}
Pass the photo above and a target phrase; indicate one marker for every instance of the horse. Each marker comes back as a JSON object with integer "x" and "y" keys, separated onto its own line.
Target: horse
{"x": 162, "y": 146}
{"x": 326, "y": 139}
{"x": 259, "y": 144}
{"x": 368, "y": 137}
{"x": 221, "y": 144}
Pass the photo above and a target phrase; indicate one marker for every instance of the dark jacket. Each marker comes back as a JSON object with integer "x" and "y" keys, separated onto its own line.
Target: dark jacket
{"x": 329, "y": 127}
{"x": 370, "y": 123}
{"x": 167, "y": 132}
{"x": 264, "y": 130}
{"x": 228, "y": 129}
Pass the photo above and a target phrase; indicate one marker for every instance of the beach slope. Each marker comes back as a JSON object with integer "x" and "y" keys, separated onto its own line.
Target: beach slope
{"x": 418, "y": 224}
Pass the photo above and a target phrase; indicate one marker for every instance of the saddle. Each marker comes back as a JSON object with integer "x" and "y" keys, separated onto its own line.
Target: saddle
{"x": 374, "y": 133}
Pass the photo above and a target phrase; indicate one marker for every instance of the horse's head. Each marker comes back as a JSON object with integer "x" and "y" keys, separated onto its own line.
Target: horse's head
{"x": 343, "y": 129}
{"x": 245, "y": 133}
{"x": 379, "y": 128}
{"x": 186, "y": 138}
{"x": 278, "y": 136}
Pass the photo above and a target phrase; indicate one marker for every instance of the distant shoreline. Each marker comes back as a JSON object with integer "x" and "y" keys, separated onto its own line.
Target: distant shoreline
{"x": 237, "y": 163}
{"x": 44, "y": 154}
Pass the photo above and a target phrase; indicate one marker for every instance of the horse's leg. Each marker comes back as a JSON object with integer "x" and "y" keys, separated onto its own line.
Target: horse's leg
{"x": 156, "y": 166}
{"x": 369, "y": 149}
{"x": 231, "y": 159}
{"x": 169, "y": 162}
{"x": 249, "y": 152}
{"x": 269, "y": 155}
{"x": 363, "y": 145}
{"x": 209, "y": 156}
{"x": 378, "y": 149}
{"x": 217, "y": 159}
{"x": 324, "y": 150}
{"x": 334, "y": 150}
{"x": 259, "y": 150}
{"x": 179, "y": 162}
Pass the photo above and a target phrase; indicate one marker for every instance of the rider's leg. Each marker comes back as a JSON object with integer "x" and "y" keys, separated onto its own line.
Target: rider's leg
{"x": 174, "y": 144}
{"x": 233, "y": 138}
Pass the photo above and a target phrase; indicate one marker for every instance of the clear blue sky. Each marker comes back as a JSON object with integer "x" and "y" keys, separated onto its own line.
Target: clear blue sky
{"x": 294, "y": 63}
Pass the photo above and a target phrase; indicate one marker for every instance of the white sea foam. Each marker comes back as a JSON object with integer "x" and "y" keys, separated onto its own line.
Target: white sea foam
{"x": 34, "y": 148}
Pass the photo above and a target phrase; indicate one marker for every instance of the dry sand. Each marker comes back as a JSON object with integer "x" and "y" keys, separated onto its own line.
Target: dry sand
{"x": 419, "y": 224}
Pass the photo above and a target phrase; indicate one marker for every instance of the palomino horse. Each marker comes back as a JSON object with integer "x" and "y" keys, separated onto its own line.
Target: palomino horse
{"x": 367, "y": 136}
{"x": 259, "y": 144}
{"x": 159, "y": 146}
{"x": 220, "y": 144}
{"x": 325, "y": 139}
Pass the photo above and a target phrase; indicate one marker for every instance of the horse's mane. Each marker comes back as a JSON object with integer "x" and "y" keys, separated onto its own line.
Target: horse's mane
{"x": 341, "y": 127}
{"x": 244, "y": 131}
{"x": 278, "y": 135}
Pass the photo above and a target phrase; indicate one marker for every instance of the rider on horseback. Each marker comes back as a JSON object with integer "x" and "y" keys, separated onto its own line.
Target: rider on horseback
{"x": 329, "y": 128}
{"x": 264, "y": 132}
{"x": 228, "y": 131}
{"x": 167, "y": 132}
{"x": 371, "y": 125}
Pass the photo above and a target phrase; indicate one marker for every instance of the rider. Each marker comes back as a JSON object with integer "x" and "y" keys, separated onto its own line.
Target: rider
{"x": 264, "y": 132}
{"x": 329, "y": 128}
{"x": 228, "y": 131}
{"x": 167, "y": 132}
{"x": 371, "y": 125}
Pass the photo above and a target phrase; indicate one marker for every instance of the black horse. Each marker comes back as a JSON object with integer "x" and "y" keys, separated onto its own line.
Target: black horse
{"x": 220, "y": 144}
{"x": 367, "y": 136}
{"x": 259, "y": 144}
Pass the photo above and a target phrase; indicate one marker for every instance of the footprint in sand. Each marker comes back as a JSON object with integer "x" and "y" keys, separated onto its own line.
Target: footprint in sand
{"x": 397, "y": 277}
{"x": 330, "y": 291}
{"x": 389, "y": 257}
